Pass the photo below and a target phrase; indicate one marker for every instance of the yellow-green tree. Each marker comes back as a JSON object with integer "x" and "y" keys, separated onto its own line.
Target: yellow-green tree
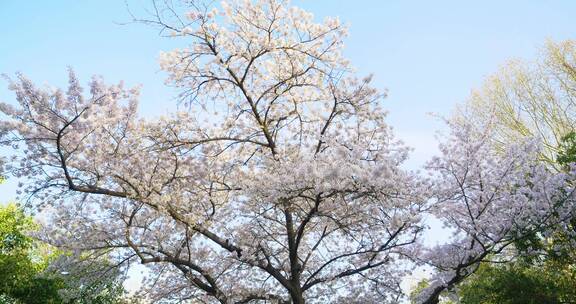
{"x": 529, "y": 99}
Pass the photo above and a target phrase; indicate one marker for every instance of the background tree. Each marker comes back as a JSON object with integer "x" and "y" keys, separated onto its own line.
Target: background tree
{"x": 516, "y": 283}
{"x": 522, "y": 101}
{"x": 28, "y": 273}
{"x": 529, "y": 99}
{"x": 21, "y": 262}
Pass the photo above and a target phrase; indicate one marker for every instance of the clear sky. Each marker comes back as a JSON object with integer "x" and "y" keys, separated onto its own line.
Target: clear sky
{"x": 427, "y": 54}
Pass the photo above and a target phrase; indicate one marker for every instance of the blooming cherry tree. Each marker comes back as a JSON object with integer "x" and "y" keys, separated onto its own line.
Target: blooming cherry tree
{"x": 489, "y": 202}
{"x": 282, "y": 183}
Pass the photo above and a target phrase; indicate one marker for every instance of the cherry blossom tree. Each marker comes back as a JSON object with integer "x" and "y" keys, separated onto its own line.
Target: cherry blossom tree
{"x": 281, "y": 182}
{"x": 490, "y": 202}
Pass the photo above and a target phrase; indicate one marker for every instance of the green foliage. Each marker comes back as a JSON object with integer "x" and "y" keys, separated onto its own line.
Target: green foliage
{"x": 567, "y": 149}
{"x": 13, "y": 227}
{"x": 26, "y": 278}
{"x": 35, "y": 289}
{"x": 517, "y": 283}
{"x": 19, "y": 272}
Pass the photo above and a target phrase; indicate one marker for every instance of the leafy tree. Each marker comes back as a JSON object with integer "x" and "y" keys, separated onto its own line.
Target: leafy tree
{"x": 529, "y": 99}
{"x": 27, "y": 274}
{"x": 516, "y": 283}
{"x": 567, "y": 150}
{"x": 13, "y": 227}
{"x": 19, "y": 264}
{"x": 283, "y": 183}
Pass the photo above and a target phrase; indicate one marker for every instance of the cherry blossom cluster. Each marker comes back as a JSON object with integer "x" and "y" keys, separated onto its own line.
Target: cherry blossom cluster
{"x": 489, "y": 201}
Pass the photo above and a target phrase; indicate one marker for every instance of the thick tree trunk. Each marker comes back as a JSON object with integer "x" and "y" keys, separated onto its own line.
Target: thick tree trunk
{"x": 297, "y": 298}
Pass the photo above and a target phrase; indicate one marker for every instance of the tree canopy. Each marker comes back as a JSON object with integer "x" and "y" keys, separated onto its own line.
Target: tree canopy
{"x": 529, "y": 99}
{"x": 28, "y": 272}
{"x": 21, "y": 262}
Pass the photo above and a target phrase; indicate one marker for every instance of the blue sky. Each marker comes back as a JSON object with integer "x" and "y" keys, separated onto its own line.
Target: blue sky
{"x": 428, "y": 54}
